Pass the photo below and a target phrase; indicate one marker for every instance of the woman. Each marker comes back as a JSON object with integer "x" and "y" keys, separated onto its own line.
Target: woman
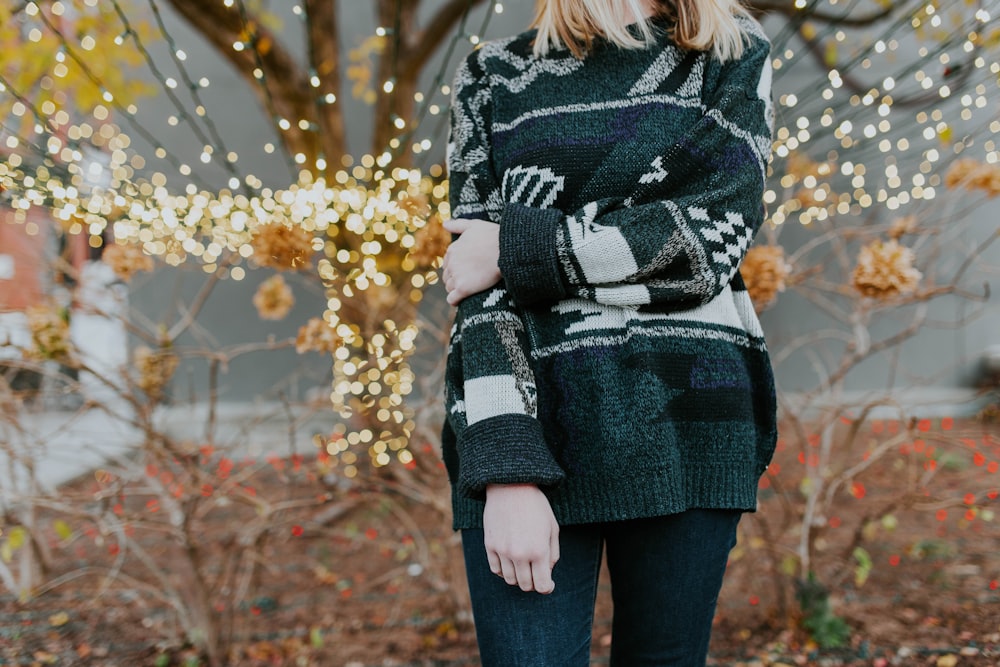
{"x": 608, "y": 387}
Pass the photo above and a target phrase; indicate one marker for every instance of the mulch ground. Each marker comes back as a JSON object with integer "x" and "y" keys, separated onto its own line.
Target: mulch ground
{"x": 380, "y": 582}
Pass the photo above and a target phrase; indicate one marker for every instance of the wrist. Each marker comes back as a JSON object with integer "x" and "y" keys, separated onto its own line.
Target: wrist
{"x": 501, "y": 489}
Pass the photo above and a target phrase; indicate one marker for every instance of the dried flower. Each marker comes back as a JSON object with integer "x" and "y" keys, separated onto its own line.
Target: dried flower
{"x": 282, "y": 247}
{"x": 155, "y": 370}
{"x": 430, "y": 243}
{"x": 885, "y": 270}
{"x": 49, "y": 326}
{"x": 808, "y": 198}
{"x": 799, "y": 165}
{"x": 901, "y": 226}
{"x": 317, "y": 335}
{"x": 274, "y": 298}
{"x": 974, "y": 175}
{"x": 416, "y": 206}
{"x": 764, "y": 271}
{"x": 126, "y": 260}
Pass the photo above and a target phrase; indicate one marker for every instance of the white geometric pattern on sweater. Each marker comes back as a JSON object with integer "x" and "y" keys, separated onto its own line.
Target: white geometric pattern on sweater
{"x": 657, "y": 73}
{"x": 602, "y": 251}
{"x": 626, "y": 295}
{"x": 658, "y": 173}
{"x": 728, "y": 240}
{"x": 529, "y": 68}
{"x": 593, "y": 316}
{"x": 663, "y": 67}
{"x": 587, "y": 107}
{"x": 764, "y": 91}
{"x": 532, "y": 186}
{"x": 695, "y": 81}
{"x": 728, "y": 310}
{"x": 494, "y": 395}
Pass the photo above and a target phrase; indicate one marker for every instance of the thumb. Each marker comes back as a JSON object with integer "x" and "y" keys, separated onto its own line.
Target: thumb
{"x": 456, "y": 225}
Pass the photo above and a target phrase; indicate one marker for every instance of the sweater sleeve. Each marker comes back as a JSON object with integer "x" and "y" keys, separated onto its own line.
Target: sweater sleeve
{"x": 501, "y": 440}
{"x": 678, "y": 240}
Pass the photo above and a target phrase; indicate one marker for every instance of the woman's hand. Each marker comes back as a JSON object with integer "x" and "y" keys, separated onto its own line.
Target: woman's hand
{"x": 522, "y": 536}
{"x": 471, "y": 262}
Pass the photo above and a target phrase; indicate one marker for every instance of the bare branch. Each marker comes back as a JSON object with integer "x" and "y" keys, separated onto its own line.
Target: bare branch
{"x": 431, "y": 37}
{"x": 790, "y": 10}
{"x": 323, "y": 36}
{"x": 289, "y": 86}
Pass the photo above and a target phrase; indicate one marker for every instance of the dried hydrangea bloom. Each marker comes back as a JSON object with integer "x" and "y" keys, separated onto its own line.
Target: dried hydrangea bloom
{"x": 416, "y": 206}
{"x": 317, "y": 335}
{"x": 126, "y": 260}
{"x": 282, "y": 247}
{"x": 885, "y": 270}
{"x": 974, "y": 175}
{"x": 155, "y": 369}
{"x": 273, "y": 299}
{"x": 430, "y": 243}
{"x": 49, "y": 326}
{"x": 987, "y": 179}
{"x": 807, "y": 198}
{"x": 900, "y": 226}
{"x": 801, "y": 165}
{"x": 764, "y": 271}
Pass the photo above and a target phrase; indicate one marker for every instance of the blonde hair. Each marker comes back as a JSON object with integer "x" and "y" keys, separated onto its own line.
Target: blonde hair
{"x": 698, "y": 25}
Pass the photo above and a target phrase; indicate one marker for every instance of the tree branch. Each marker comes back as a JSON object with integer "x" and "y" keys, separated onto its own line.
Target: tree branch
{"x": 429, "y": 39}
{"x": 853, "y": 84}
{"x": 791, "y": 11}
{"x": 324, "y": 57}
{"x": 289, "y": 87}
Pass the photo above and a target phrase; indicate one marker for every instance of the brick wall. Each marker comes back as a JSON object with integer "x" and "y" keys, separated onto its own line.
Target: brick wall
{"x": 21, "y": 259}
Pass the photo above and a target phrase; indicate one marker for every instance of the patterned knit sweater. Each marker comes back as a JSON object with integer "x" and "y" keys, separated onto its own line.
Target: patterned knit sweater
{"x": 619, "y": 363}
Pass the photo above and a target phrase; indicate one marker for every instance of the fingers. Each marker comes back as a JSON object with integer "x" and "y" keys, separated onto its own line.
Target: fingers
{"x": 541, "y": 577}
{"x": 456, "y": 225}
{"x": 527, "y": 574}
{"x": 494, "y": 560}
{"x": 523, "y": 570}
{"x": 554, "y": 546}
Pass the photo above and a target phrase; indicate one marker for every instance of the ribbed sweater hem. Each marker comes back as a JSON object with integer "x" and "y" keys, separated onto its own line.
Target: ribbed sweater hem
{"x": 506, "y": 449}
{"x": 529, "y": 260}
{"x": 579, "y": 501}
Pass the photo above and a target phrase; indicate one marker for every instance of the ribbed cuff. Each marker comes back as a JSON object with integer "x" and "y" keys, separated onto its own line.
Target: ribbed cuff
{"x": 529, "y": 261}
{"x": 506, "y": 449}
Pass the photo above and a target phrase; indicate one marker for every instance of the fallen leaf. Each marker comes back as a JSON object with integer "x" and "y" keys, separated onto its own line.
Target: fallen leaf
{"x": 949, "y": 660}
{"x": 58, "y": 620}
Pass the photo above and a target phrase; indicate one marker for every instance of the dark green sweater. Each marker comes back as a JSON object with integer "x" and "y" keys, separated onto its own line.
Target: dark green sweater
{"x": 619, "y": 364}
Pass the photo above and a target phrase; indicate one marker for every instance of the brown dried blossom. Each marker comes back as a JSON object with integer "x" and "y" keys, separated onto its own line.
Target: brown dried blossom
{"x": 416, "y": 206}
{"x": 126, "y": 260}
{"x": 764, "y": 272}
{"x": 50, "y": 337}
{"x": 430, "y": 243}
{"x": 273, "y": 299}
{"x": 282, "y": 247}
{"x": 900, "y": 226}
{"x": 974, "y": 175}
{"x": 885, "y": 270}
{"x": 317, "y": 335}
{"x": 801, "y": 165}
{"x": 155, "y": 368}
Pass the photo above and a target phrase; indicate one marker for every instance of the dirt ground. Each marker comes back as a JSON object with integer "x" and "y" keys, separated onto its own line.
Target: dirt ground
{"x": 382, "y": 583}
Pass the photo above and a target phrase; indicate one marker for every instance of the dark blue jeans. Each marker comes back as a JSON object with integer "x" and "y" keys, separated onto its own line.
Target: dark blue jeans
{"x": 666, "y": 573}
